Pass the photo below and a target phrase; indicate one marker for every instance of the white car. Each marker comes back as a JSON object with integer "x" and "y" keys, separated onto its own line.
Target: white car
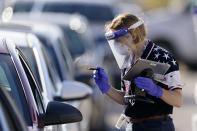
{"x": 176, "y": 33}
{"x": 76, "y": 32}
{"x": 32, "y": 50}
{"x": 18, "y": 79}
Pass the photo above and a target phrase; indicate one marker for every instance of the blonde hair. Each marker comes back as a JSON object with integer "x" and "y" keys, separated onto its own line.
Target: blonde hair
{"x": 126, "y": 20}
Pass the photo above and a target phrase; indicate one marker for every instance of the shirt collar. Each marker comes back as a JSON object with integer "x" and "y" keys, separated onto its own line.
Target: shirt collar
{"x": 147, "y": 48}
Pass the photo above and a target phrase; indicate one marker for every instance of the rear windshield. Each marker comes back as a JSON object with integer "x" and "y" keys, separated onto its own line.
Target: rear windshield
{"x": 23, "y": 6}
{"x": 10, "y": 81}
{"x": 94, "y": 13}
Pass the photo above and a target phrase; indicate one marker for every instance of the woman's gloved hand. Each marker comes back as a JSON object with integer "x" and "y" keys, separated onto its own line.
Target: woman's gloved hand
{"x": 148, "y": 85}
{"x": 101, "y": 80}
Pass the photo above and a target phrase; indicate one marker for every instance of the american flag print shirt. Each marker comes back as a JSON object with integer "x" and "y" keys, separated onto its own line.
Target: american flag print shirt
{"x": 171, "y": 79}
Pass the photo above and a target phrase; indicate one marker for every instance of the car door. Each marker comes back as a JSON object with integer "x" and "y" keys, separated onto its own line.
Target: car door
{"x": 10, "y": 117}
{"x": 41, "y": 104}
{"x": 10, "y": 81}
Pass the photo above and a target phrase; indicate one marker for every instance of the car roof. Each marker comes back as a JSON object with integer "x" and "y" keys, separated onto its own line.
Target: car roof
{"x": 18, "y": 37}
{"x": 3, "y": 45}
{"x": 47, "y": 29}
{"x": 15, "y": 26}
{"x": 37, "y": 26}
{"x": 22, "y": 28}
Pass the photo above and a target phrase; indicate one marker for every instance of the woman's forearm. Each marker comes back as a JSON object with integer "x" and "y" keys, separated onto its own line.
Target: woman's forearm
{"x": 173, "y": 98}
{"x": 116, "y": 95}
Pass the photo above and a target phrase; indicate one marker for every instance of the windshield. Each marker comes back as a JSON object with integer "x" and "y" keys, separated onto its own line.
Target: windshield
{"x": 29, "y": 54}
{"x": 10, "y": 81}
{"x": 23, "y": 6}
{"x": 94, "y": 13}
{"x": 76, "y": 45}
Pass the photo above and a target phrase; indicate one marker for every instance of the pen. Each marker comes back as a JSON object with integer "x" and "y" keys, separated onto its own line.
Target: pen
{"x": 92, "y": 68}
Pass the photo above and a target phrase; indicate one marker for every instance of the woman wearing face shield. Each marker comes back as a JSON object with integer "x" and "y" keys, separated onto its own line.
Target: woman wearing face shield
{"x": 126, "y": 36}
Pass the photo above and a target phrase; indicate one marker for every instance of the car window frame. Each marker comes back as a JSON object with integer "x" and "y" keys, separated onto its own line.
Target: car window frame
{"x": 36, "y": 74}
{"x": 24, "y": 61}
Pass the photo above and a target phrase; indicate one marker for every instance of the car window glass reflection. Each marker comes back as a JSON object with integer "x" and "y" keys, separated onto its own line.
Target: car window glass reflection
{"x": 6, "y": 123}
{"x": 10, "y": 81}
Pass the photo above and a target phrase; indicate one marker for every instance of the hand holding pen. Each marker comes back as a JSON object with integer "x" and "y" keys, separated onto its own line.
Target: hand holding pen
{"x": 101, "y": 79}
{"x": 93, "y": 68}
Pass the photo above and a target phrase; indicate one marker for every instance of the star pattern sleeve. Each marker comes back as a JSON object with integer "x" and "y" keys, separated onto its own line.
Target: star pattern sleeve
{"x": 172, "y": 79}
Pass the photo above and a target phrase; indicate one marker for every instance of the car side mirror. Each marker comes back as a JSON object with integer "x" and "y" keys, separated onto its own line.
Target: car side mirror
{"x": 73, "y": 90}
{"x": 60, "y": 113}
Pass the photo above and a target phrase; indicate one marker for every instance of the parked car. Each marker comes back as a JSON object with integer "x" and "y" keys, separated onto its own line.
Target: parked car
{"x": 97, "y": 12}
{"x": 19, "y": 80}
{"x": 102, "y": 56}
{"x": 77, "y": 35}
{"x": 10, "y": 117}
{"x": 31, "y": 48}
{"x": 54, "y": 50}
{"x": 175, "y": 31}
{"x": 92, "y": 11}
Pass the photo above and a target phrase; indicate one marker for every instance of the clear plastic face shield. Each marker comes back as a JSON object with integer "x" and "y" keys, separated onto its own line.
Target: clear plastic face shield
{"x": 121, "y": 51}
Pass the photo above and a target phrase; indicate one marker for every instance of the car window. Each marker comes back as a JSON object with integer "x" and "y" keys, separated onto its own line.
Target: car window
{"x": 64, "y": 51}
{"x": 67, "y": 58}
{"x": 51, "y": 54}
{"x": 75, "y": 44}
{"x": 22, "y": 6}
{"x": 52, "y": 74}
{"x": 34, "y": 87}
{"x": 10, "y": 81}
{"x": 29, "y": 54}
{"x": 94, "y": 13}
{"x": 6, "y": 123}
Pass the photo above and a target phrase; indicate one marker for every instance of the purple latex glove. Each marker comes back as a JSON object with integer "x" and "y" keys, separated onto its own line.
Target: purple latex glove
{"x": 101, "y": 80}
{"x": 148, "y": 85}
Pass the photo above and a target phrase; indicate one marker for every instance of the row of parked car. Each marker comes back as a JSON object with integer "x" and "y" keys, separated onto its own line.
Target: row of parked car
{"x": 54, "y": 42}
{"x": 38, "y": 72}
{"x": 98, "y": 13}
{"x": 18, "y": 79}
